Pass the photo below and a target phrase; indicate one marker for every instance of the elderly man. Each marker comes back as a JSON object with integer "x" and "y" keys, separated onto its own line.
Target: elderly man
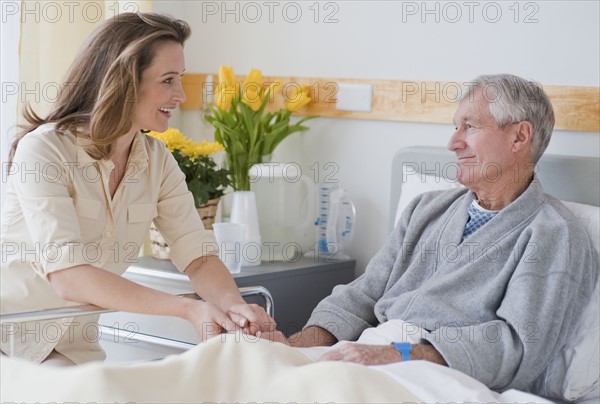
{"x": 496, "y": 319}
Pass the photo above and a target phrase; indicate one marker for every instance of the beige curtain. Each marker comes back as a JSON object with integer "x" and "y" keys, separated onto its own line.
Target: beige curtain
{"x": 51, "y": 34}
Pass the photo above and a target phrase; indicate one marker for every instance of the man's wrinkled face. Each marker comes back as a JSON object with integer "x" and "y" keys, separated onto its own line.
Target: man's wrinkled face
{"x": 483, "y": 150}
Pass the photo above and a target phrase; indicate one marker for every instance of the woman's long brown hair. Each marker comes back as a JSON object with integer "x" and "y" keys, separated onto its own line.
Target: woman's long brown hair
{"x": 99, "y": 94}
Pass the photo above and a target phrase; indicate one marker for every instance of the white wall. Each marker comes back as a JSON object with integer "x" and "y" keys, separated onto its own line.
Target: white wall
{"x": 559, "y": 44}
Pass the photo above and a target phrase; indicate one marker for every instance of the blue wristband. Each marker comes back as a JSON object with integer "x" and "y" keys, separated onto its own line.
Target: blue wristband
{"x": 404, "y": 348}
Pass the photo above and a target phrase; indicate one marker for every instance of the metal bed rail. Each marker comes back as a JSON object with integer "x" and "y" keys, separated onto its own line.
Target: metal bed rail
{"x": 90, "y": 309}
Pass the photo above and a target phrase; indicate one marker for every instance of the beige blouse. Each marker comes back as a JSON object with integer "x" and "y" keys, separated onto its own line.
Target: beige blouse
{"x": 58, "y": 213}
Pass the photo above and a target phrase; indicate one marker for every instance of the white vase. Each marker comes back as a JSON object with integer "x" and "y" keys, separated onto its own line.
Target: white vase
{"x": 243, "y": 210}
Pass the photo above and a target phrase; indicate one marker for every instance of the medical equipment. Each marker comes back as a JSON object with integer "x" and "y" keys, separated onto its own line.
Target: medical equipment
{"x": 335, "y": 222}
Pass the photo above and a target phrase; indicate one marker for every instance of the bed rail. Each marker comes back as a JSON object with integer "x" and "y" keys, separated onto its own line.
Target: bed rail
{"x": 89, "y": 309}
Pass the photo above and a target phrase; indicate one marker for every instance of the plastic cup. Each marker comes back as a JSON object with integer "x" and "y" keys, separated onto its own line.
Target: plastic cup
{"x": 230, "y": 240}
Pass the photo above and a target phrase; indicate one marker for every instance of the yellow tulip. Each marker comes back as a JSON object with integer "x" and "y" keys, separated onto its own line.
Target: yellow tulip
{"x": 226, "y": 88}
{"x": 274, "y": 88}
{"x": 299, "y": 96}
{"x": 226, "y": 75}
{"x": 255, "y": 76}
{"x": 248, "y": 136}
{"x": 252, "y": 89}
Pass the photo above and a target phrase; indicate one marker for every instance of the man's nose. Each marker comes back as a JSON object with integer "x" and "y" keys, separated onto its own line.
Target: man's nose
{"x": 455, "y": 141}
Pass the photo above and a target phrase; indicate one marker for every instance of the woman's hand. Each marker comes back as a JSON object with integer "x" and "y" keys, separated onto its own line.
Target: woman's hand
{"x": 208, "y": 319}
{"x": 252, "y": 318}
{"x": 364, "y": 354}
{"x": 211, "y": 280}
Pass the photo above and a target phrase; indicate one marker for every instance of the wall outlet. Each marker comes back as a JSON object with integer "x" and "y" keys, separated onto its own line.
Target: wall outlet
{"x": 354, "y": 97}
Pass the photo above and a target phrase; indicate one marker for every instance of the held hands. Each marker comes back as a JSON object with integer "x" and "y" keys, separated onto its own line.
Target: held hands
{"x": 227, "y": 311}
{"x": 210, "y": 321}
{"x": 251, "y": 318}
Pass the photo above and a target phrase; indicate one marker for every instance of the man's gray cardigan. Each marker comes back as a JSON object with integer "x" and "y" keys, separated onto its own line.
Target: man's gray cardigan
{"x": 498, "y": 305}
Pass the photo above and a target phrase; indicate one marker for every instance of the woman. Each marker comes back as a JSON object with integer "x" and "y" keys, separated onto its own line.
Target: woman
{"x": 84, "y": 184}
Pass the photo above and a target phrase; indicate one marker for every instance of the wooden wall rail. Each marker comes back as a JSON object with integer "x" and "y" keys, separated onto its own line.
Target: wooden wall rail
{"x": 576, "y": 108}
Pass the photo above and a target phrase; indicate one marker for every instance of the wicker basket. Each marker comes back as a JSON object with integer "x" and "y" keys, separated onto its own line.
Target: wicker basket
{"x": 160, "y": 248}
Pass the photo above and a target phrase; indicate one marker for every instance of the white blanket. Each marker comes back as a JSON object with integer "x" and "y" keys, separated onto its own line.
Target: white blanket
{"x": 237, "y": 368}
{"x": 229, "y": 369}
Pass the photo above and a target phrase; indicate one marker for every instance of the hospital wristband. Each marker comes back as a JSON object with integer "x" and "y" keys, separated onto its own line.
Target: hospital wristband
{"x": 404, "y": 348}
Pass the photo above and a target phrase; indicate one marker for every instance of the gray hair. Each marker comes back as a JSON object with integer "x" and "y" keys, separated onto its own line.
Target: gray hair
{"x": 513, "y": 99}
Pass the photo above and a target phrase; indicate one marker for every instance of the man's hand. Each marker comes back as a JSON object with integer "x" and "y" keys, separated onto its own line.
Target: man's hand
{"x": 311, "y": 336}
{"x": 381, "y": 354}
{"x": 364, "y": 354}
{"x": 275, "y": 336}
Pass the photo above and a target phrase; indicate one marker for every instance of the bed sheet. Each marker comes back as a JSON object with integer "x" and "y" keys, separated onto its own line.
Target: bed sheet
{"x": 430, "y": 382}
{"x": 433, "y": 383}
{"x": 229, "y": 369}
{"x": 235, "y": 368}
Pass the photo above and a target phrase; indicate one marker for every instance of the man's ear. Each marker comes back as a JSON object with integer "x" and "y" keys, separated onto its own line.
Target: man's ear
{"x": 523, "y": 136}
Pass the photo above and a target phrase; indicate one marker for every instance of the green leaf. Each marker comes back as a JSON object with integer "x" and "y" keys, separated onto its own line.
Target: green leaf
{"x": 247, "y": 135}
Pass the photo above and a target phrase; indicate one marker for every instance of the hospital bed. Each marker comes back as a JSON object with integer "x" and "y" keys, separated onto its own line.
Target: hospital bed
{"x": 239, "y": 369}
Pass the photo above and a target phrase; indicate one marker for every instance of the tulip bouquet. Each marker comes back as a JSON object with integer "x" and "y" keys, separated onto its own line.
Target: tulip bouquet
{"x": 204, "y": 178}
{"x": 244, "y": 123}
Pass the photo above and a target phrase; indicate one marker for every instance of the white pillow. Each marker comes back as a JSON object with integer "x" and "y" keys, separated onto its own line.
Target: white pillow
{"x": 574, "y": 371}
{"x": 589, "y": 217}
{"x": 417, "y": 183}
